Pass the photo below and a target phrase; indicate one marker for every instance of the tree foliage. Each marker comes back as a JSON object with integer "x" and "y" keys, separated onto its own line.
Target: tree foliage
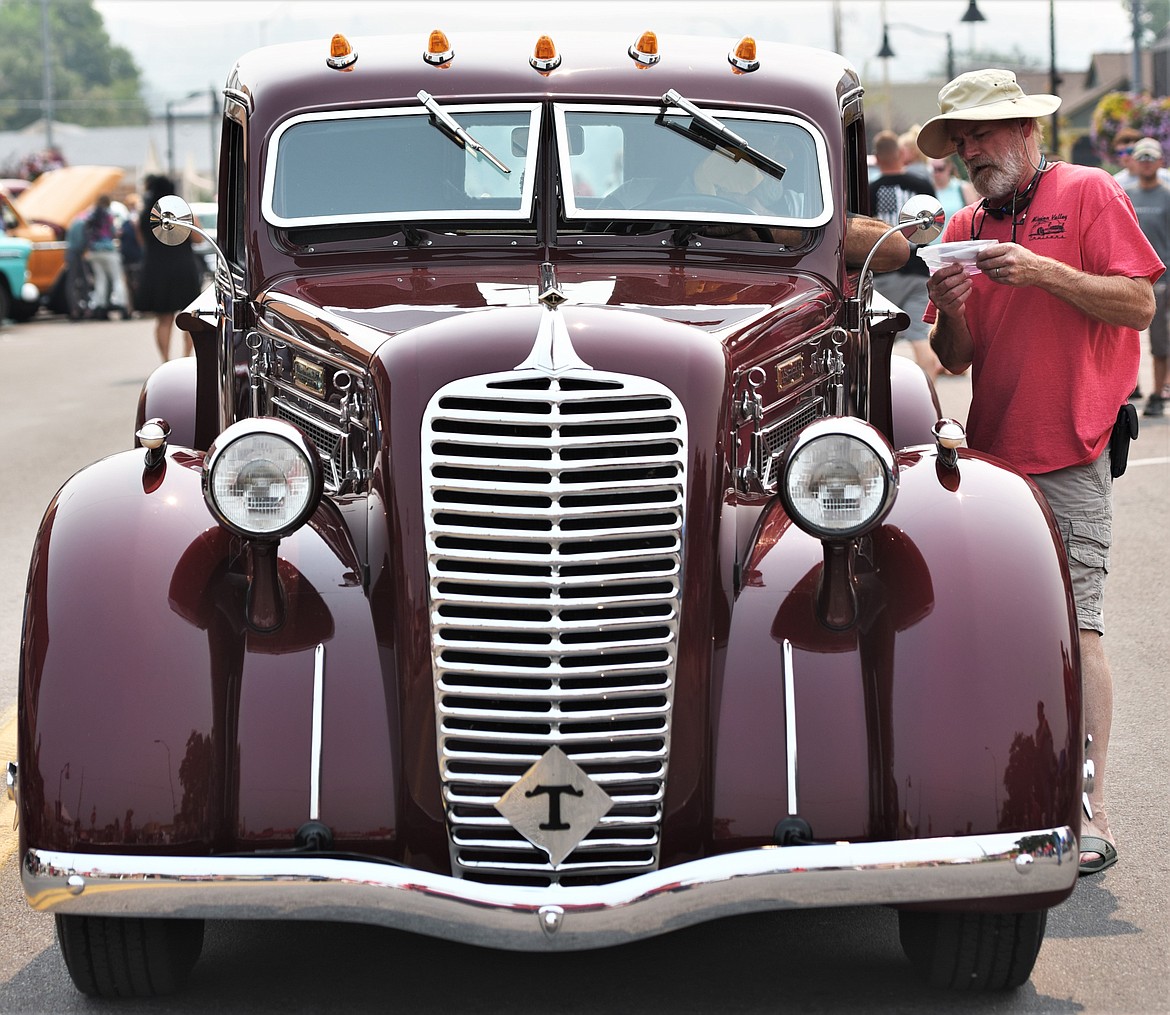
{"x": 1153, "y": 18}
{"x": 95, "y": 83}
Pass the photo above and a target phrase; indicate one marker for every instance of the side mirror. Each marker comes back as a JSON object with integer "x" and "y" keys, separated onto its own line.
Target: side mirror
{"x": 173, "y": 222}
{"x": 920, "y": 221}
{"x": 927, "y": 217}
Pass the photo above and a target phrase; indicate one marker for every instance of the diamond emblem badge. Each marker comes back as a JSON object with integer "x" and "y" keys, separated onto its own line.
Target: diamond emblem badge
{"x": 555, "y": 805}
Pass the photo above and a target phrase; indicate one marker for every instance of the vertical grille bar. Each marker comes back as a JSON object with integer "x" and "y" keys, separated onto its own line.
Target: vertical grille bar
{"x": 554, "y": 512}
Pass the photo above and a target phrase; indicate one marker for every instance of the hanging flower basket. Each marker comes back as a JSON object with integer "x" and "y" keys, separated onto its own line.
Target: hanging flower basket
{"x": 1144, "y": 113}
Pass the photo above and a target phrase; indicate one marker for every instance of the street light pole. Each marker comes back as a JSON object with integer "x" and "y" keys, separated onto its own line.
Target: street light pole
{"x": 47, "y": 73}
{"x": 1135, "y": 10}
{"x": 887, "y": 50}
{"x": 171, "y": 139}
{"x": 1053, "y": 76}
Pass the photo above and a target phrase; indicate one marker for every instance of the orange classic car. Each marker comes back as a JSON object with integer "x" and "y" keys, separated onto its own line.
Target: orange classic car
{"x": 43, "y": 212}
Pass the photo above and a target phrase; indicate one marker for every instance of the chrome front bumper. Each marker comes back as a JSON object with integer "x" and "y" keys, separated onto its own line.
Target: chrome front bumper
{"x": 997, "y": 866}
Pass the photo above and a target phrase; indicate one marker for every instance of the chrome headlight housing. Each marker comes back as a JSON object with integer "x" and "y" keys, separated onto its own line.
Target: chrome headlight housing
{"x": 262, "y": 478}
{"x": 839, "y": 478}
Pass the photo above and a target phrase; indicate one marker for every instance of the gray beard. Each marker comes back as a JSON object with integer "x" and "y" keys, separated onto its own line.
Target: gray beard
{"x": 999, "y": 183}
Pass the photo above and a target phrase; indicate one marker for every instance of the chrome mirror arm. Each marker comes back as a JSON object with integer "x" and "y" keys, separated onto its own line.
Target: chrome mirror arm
{"x": 920, "y": 221}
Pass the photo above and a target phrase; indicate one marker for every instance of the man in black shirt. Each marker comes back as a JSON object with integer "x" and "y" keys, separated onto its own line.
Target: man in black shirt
{"x": 905, "y": 287}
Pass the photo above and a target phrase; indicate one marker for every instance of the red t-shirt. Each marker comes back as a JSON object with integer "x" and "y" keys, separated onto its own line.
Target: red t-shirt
{"x": 1047, "y": 380}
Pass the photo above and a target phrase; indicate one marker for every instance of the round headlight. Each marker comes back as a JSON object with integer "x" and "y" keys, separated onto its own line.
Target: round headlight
{"x": 839, "y": 478}
{"x": 262, "y": 478}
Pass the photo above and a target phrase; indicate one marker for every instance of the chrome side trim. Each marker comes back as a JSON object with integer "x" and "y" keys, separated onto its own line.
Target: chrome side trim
{"x": 994, "y": 866}
{"x": 790, "y": 723}
{"x": 315, "y": 748}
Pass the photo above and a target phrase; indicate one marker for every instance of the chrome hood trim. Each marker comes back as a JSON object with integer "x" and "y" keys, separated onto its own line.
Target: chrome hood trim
{"x": 999, "y": 866}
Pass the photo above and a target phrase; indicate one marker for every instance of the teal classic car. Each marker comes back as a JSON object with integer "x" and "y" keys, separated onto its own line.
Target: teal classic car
{"x": 18, "y": 296}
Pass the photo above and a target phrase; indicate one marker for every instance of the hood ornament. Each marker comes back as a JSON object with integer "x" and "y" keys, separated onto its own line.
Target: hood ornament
{"x": 550, "y": 293}
{"x": 552, "y": 352}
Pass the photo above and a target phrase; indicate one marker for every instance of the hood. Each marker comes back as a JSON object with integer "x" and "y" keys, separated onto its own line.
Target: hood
{"x": 58, "y": 196}
{"x": 709, "y": 298}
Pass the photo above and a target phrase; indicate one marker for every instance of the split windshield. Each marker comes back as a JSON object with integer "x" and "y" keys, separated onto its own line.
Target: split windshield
{"x": 624, "y": 163}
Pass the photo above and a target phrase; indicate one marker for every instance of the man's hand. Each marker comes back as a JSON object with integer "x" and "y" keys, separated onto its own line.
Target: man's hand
{"x": 1010, "y": 264}
{"x": 948, "y": 289}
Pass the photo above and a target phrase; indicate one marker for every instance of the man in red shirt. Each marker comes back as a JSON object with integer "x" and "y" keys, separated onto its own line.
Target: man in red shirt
{"x": 1050, "y": 330}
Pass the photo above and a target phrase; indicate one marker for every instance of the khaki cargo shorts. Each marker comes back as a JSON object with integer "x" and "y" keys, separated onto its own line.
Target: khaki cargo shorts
{"x": 1081, "y": 498}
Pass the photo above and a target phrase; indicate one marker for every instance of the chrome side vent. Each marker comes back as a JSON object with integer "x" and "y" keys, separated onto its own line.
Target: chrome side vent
{"x": 323, "y": 393}
{"x": 554, "y": 511}
{"x": 768, "y": 443}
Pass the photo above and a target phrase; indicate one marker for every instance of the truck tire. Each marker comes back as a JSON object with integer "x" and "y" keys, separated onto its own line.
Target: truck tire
{"x": 972, "y": 951}
{"x": 128, "y": 957}
{"x": 23, "y": 311}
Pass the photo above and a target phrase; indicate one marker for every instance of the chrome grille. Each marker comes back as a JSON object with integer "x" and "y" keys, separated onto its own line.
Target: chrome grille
{"x": 328, "y": 439}
{"x": 554, "y": 513}
{"x": 769, "y": 442}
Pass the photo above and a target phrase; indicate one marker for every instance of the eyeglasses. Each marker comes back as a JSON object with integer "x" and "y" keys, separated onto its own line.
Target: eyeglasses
{"x": 1123, "y": 151}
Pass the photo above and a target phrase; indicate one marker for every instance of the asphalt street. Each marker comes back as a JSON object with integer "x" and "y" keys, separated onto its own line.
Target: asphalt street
{"x": 69, "y": 395}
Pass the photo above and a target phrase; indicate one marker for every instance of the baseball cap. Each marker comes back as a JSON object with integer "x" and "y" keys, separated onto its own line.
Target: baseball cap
{"x": 1148, "y": 149}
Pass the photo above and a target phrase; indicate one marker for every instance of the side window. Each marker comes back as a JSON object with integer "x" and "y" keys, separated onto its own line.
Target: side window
{"x": 856, "y": 167}
{"x": 233, "y": 181}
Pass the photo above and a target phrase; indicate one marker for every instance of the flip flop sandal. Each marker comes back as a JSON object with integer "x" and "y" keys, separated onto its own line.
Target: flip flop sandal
{"x": 1106, "y": 854}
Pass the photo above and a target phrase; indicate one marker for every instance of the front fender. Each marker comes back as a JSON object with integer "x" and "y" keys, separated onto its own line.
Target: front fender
{"x": 953, "y": 707}
{"x": 914, "y": 404}
{"x": 170, "y": 393}
{"x": 151, "y": 717}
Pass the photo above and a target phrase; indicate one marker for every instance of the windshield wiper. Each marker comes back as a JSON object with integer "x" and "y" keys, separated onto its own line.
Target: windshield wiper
{"x": 714, "y": 134}
{"x": 446, "y": 123}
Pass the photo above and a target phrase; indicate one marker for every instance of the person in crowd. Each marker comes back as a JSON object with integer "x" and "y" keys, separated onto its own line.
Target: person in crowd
{"x": 1151, "y": 200}
{"x": 169, "y": 279}
{"x": 905, "y": 287}
{"x": 952, "y": 191}
{"x": 913, "y": 161}
{"x": 131, "y": 248}
{"x": 1050, "y": 329}
{"x": 101, "y": 250}
{"x": 1123, "y": 143}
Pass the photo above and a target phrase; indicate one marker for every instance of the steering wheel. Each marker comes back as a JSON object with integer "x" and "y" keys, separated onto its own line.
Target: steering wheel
{"x": 703, "y": 202}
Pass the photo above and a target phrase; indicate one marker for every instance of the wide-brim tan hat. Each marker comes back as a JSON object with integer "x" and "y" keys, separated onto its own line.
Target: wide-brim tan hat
{"x": 980, "y": 95}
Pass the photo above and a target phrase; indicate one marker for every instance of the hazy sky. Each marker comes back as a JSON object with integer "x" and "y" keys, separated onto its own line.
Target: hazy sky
{"x": 207, "y": 35}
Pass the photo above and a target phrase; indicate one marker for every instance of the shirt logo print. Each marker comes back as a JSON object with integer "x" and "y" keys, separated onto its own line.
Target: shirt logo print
{"x": 1047, "y": 227}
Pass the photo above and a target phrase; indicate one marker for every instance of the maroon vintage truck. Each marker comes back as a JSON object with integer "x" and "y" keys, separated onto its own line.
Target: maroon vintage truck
{"x": 543, "y": 548}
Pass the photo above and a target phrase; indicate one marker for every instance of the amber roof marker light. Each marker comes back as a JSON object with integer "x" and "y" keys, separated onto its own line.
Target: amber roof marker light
{"x": 545, "y": 57}
{"x": 645, "y": 51}
{"x": 438, "y": 52}
{"x": 743, "y": 57}
{"x": 341, "y": 53}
